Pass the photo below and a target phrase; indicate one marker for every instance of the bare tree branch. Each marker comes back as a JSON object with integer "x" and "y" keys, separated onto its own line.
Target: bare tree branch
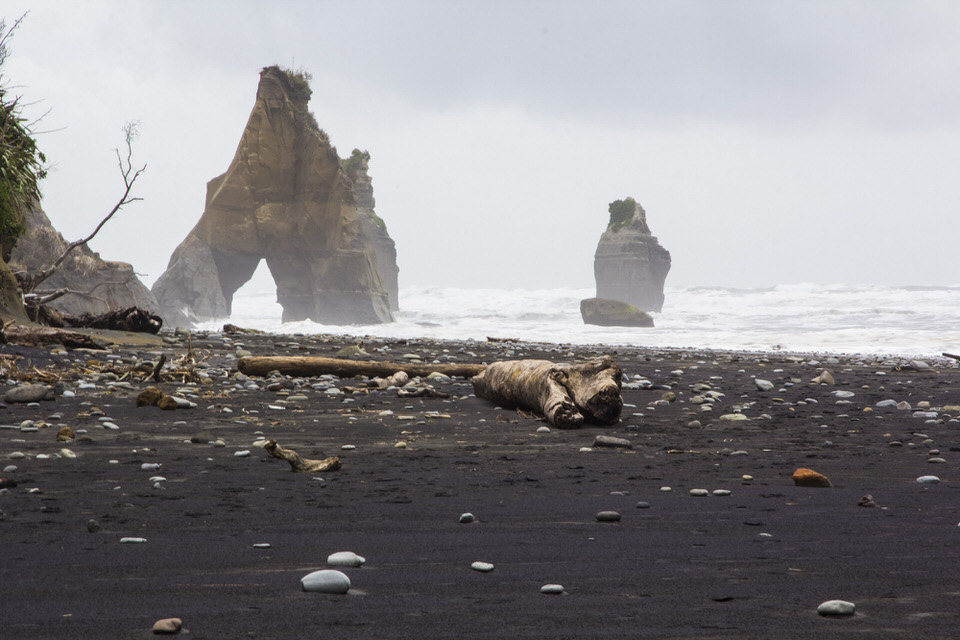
{"x": 130, "y": 176}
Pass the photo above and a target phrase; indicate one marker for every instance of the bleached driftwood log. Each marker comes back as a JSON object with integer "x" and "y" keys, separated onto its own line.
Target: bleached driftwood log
{"x": 317, "y": 366}
{"x": 568, "y": 395}
{"x": 299, "y": 463}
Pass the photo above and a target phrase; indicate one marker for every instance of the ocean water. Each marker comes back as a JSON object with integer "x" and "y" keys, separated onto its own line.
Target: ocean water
{"x": 806, "y": 318}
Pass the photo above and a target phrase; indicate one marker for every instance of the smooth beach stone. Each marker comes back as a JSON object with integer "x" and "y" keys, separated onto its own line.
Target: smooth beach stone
{"x": 168, "y": 626}
{"x": 839, "y": 393}
{"x": 467, "y": 518}
{"x": 262, "y": 545}
{"x": 721, "y": 492}
{"x": 928, "y": 479}
{"x": 836, "y": 608}
{"x": 484, "y": 567}
{"x": 348, "y": 447}
{"x": 150, "y": 466}
{"x": 132, "y": 540}
{"x": 26, "y": 393}
{"x": 936, "y": 460}
{"x": 887, "y": 403}
{"x": 552, "y": 589}
{"x": 543, "y": 429}
{"x": 734, "y": 417}
{"x": 699, "y": 493}
{"x": 810, "y": 478}
{"x": 643, "y": 505}
{"x": 610, "y": 441}
{"x": 345, "y": 559}
{"x": 608, "y": 516}
{"x": 763, "y": 385}
{"x": 326, "y": 581}
{"x": 241, "y": 454}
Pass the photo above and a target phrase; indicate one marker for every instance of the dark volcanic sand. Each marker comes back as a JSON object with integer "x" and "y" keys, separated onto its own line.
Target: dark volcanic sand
{"x": 684, "y": 567}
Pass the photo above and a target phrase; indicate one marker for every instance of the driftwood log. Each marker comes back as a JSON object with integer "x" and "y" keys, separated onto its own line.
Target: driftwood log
{"x": 35, "y": 336}
{"x": 568, "y": 395}
{"x": 299, "y": 463}
{"x": 129, "y": 319}
{"x": 307, "y": 366}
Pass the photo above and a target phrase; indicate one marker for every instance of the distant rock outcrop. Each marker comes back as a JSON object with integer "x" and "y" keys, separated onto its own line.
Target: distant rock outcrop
{"x": 287, "y": 199}
{"x": 98, "y": 285}
{"x": 630, "y": 265}
{"x": 613, "y": 313}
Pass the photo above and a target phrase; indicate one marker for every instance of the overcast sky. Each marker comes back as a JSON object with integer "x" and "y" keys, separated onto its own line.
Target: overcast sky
{"x": 769, "y": 142}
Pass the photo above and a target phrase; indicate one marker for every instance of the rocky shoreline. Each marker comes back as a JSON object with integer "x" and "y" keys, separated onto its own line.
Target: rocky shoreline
{"x": 683, "y": 520}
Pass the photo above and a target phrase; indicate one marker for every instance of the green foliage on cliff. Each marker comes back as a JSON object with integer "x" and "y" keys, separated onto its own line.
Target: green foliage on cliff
{"x": 21, "y": 162}
{"x": 356, "y": 159}
{"x": 299, "y": 91}
{"x": 621, "y": 212}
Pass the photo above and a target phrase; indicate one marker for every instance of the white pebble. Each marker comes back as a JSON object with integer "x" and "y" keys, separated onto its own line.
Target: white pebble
{"x": 485, "y": 567}
{"x": 326, "y": 581}
{"x": 836, "y": 608}
{"x": 345, "y": 559}
{"x": 699, "y": 493}
{"x": 262, "y": 545}
{"x": 150, "y": 466}
{"x": 467, "y": 518}
{"x": 132, "y": 540}
{"x": 348, "y": 447}
{"x": 928, "y": 479}
{"x": 241, "y": 454}
{"x": 553, "y": 589}
{"x": 721, "y": 492}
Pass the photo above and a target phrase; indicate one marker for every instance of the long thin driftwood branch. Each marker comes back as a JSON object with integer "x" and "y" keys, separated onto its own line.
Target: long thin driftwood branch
{"x": 307, "y": 366}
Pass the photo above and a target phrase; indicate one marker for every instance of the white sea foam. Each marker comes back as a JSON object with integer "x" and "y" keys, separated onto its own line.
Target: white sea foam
{"x": 799, "y": 317}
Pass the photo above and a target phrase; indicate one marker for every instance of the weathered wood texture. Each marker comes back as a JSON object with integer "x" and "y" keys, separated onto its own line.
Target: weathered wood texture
{"x": 298, "y": 462}
{"x": 568, "y": 395}
{"x": 317, "y": 366}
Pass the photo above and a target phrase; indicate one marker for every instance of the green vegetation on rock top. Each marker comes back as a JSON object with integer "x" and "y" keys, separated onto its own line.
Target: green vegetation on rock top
{"x": 621, "y": 213}
{"x": 356, "y": 159}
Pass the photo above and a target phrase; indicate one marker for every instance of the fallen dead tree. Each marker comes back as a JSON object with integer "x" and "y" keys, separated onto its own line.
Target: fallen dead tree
{"x": 132, "y": 319}
{"x": 568, "y": 395}
{"x": 299, "y": 463}
{"x": 35, "y": 336}
{"x": 307, "y": 366}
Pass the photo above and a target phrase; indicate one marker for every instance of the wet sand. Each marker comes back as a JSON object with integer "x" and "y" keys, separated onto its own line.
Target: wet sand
{"x": 752, "y": 564}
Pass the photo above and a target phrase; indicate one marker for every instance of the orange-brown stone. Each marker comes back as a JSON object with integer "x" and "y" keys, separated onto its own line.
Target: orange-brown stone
{"x": 810, "y": 478}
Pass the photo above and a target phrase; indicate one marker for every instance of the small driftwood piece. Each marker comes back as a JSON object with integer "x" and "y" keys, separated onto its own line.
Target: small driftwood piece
{"x": 951, "y": 355}
{"x": 307, "y": 366}
{"x": 299, "y": 463}
{"x": 568, "y": 395}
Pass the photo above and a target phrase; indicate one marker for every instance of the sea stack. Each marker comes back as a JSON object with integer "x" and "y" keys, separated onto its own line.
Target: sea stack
{"x": 288, "y": 199}
{"x": 630, "y": 265}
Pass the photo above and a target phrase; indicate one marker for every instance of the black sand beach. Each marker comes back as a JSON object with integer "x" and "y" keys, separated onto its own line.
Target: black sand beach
{"x": 753, "y": 564}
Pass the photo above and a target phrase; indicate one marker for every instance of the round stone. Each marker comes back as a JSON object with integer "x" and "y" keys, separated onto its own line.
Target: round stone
{"x": 836, "y": 608}
{"x": 699, "y": 493}
{"x": 608, "y": 516}
{"x": 326, "y": 581}
{"x": 345, "y": 559}
{"x": 241, "y": 454}
{"x": 936, "y": 460}
{"x": 262, "y": 545}
{"x": 484, "y": 567}
{"x": 168, "y": 626}
{"x": 721, "y": 492}
{"x": 665, "y": 489}
{"x": 928, "y": 479}
{"x": 643, "y": 505}
{"x": 132, "y": 540}
{"x": 552, "y": 589}
{"x": 467, "y": 518}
